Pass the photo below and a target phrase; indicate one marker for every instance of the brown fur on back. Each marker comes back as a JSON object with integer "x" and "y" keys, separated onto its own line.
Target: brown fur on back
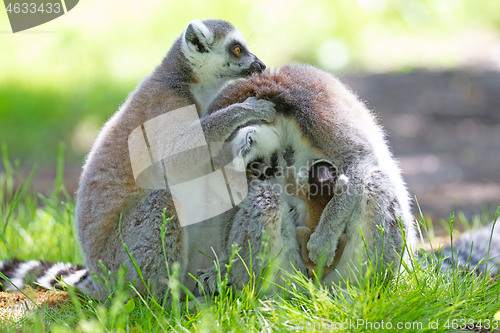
{"x": 301, "y": 93}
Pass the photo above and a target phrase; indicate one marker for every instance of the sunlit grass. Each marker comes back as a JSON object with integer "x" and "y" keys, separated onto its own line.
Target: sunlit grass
{"x": 423, "y": 299}
{"x": 32, "y": 232}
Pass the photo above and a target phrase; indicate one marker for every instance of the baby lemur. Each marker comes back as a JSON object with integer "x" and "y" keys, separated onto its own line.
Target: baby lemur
{"x": 322, "y": 182}
{"x": 319, "y": 118}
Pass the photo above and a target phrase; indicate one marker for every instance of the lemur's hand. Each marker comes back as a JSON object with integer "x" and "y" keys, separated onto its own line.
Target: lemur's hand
{"x": 322, "y": 242}
{"x": 260, "y": 108}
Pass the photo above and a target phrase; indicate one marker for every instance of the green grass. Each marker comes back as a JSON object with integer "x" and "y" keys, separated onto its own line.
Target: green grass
{"x": 29, "y": 113}
{"x": 420, "y": 299}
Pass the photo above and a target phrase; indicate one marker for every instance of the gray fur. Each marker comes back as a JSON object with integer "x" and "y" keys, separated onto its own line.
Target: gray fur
{"x": 326, "y": 121}
{"x": 266, "y": 208}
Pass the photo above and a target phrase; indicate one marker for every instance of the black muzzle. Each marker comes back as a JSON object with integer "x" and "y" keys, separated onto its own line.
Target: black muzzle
{"x": 256, "y": 67}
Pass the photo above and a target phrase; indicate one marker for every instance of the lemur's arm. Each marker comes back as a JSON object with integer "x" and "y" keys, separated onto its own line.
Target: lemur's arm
{"x": 303, "y": 236}
{"x": 335, "y": 217}
{"x": 217, "y": 127}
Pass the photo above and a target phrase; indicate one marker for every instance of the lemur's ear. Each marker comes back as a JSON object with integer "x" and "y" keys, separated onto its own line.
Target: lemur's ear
{"x": 323, "y": 176}
{"x": 197, "y": 36}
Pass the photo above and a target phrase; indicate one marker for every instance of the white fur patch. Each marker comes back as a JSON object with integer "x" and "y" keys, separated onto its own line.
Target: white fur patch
{"x": 201, "y": 30}
{"x": 342, "y": 180}
{"x": 238, "y": 37}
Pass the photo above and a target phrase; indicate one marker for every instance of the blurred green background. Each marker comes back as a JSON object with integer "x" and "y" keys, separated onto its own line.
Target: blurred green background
{"x": 60, "y": 81}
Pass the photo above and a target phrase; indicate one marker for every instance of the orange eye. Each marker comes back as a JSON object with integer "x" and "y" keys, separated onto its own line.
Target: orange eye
{"x": 237, "y": 50}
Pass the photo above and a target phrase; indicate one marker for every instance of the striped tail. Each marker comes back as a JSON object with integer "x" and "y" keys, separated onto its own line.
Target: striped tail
{"x": 45, "y": 274}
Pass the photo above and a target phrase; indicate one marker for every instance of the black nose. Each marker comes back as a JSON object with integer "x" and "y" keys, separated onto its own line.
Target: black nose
{"x": 256, "y": 67}
{"x": 260, "y": 64}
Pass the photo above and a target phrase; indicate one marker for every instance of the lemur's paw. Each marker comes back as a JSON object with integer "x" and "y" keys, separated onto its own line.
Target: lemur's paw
{"x": 207, "y": 281}
{"x": 321, "y": 244}
{"x": 263, "y": 109}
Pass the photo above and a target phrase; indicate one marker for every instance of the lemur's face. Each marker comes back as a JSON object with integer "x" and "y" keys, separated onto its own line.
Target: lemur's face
{"x": 218, "y": 58}
{"x": 238, "y": 60}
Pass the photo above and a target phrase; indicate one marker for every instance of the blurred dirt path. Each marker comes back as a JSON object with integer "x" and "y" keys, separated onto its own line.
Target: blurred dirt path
{"x": 444, "y": 127}
{"x": 14, "y": 306}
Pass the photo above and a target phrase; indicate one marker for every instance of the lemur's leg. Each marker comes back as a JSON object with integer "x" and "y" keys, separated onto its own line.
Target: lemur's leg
{"x": 377, "y": 216}
{"x": 303, "y": 235}
{"x": 386, "y": 222}
{"x": 262, "y": 210}
{"x": 140, "y": 231}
